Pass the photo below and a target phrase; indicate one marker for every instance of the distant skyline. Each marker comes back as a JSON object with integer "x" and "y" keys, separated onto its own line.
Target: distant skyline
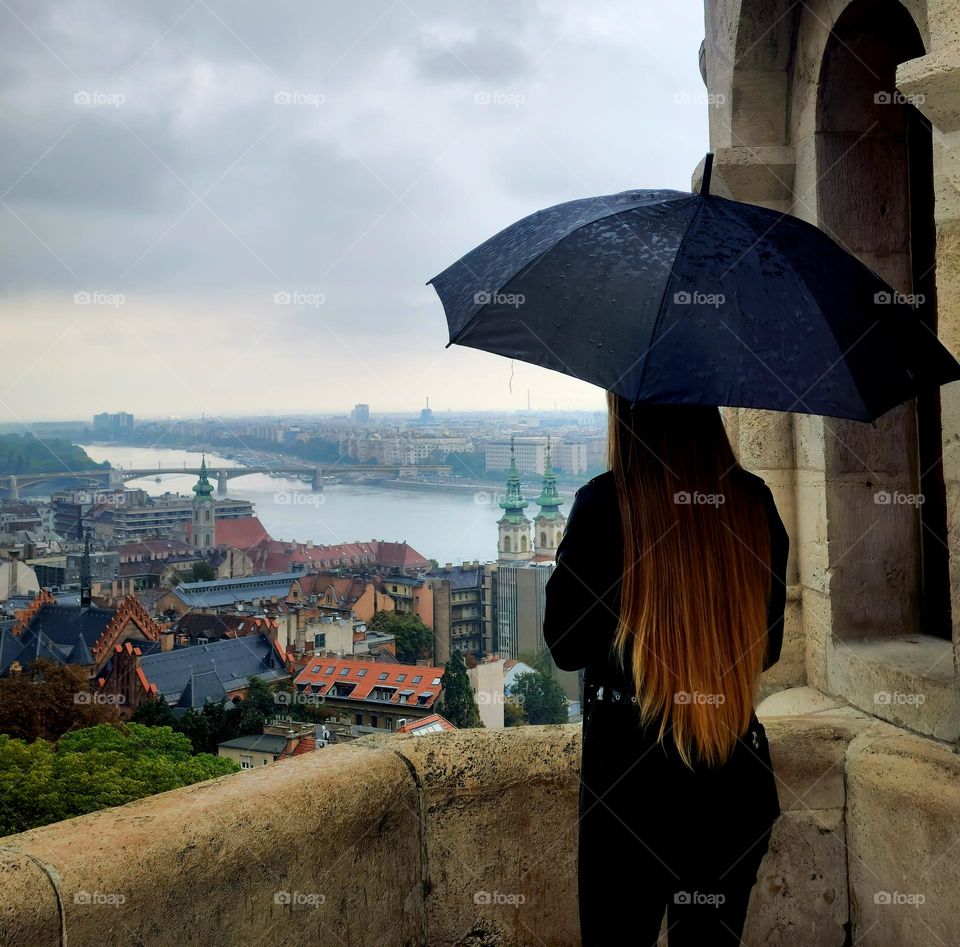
{"x": 210, "y": 208}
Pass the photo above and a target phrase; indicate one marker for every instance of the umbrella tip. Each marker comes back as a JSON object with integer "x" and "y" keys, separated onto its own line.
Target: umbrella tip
{"x": 707, "y": 173}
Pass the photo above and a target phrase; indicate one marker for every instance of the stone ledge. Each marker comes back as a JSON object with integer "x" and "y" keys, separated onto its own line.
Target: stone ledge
{"x": 211, "y": 863}
{"x": 430, "y": 840}
{"x": 904, "y": 827}
{"x": 29, "y": 905}
{"x": 933, "y": 83}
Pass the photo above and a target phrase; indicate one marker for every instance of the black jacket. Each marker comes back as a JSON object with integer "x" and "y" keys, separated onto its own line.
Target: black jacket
{"x": 583, "y": 593}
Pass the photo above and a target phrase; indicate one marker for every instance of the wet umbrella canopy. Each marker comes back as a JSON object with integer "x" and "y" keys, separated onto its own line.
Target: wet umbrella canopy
{"x": 670, "y": 297}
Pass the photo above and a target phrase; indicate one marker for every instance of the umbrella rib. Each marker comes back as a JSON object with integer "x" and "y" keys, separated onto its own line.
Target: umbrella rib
{"x": 663, "y": 297}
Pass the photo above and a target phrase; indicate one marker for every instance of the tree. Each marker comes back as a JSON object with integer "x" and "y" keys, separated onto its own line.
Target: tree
{"x": 539, "y": 660}
{"x": 413, "y": 638}
{"x": 48, "y": 699}
{"x": 93, "y": 768}
{"x": 542, "y": 698}
{"x": 513, "y": 715}
{"x": 457, "y": 702}
{"x": 154, "y": 713}
{"x": 203, "y": 572}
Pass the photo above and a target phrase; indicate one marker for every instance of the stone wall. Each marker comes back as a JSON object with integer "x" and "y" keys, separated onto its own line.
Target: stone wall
{"x": 797, "y": 126}
{"x": 470, "y": 838}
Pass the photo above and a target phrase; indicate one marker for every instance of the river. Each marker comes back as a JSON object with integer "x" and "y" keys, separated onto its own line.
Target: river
{"x": 449, "y": 526}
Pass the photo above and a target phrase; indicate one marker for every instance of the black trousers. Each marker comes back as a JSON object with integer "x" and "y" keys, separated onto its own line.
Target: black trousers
{"x": 655, "y": 836}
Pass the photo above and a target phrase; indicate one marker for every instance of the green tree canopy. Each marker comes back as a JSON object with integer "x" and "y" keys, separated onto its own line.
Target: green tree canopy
{"x": 203, "y": 572}
{"x": 457, "y": 702}
{"x": 94, "y": 768}
{"x": 542, "y": 698}
{"x": 414, "y": 640}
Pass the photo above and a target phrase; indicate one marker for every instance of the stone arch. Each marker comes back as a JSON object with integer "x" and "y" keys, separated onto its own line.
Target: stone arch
{"x": 871, "y": 170}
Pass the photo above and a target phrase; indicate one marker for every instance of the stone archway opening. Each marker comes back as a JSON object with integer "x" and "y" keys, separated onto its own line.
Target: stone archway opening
{"x": 885, "y": 494}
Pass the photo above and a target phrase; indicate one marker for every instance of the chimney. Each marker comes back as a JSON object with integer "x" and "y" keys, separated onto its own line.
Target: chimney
{"x": 14, "y": 559}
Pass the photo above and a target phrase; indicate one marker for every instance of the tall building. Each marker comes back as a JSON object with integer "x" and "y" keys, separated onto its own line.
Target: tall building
{"x": 360, "y": 414}
{"x": 549, "y": 523}
{"x": 514, "y": 543}
{"x": 112, "y": 425}
{"x": 203, "y": 506}
{"x": 520, "y": 598}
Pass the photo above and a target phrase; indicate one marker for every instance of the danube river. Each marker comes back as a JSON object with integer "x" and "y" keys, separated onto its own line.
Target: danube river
{"x": 446, "y": 525}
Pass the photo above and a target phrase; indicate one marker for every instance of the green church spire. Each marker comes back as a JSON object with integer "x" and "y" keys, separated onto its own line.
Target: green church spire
{"x": 203, "y": 487}
{"x": 549, "y": 499}
{"x": 513, "y": 504}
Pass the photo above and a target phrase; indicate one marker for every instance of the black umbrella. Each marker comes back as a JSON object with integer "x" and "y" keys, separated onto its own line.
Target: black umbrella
{"x": 670, "y": 297}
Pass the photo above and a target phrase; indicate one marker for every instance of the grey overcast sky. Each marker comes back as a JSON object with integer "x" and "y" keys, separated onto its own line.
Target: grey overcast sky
{"x": 169, "y": 167}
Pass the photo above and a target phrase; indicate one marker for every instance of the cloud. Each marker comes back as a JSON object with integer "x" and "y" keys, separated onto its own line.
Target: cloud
{"x": 199, "y": 157}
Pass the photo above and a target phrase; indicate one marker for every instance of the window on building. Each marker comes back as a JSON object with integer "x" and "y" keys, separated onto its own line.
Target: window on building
{"x": 358, "y": 719}
{"x": 401, "y": 678}
{"x": 383, "y": 676}
{"x": 329, "y": 670}
{"x": 246, "y": 762}
{"x": 373, "y": 720}
{"x": 362, "y": 672}
{"x": 417, "y": 679}
{"x": 315, "y": 669}
{"x": 344, "y": 671}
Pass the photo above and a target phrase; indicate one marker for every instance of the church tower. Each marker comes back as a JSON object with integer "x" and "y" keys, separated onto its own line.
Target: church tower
{"x": 549, "y": 523}
{"x": 514, "y": 543}
{"x": 203, "y": 518}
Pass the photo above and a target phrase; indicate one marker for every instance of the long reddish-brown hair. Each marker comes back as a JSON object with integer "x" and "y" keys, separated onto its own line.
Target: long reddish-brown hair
{"x": 696, "y": 546}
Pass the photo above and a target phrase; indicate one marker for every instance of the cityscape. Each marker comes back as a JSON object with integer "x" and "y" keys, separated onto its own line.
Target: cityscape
{"x": 480, "y": 475}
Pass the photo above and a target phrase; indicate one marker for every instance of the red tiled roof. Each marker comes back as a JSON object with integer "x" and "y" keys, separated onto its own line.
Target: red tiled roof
{"x": 399, "y": 555}
{"x": 414, "y": 725}
{"x": 153, "y": 549}
{"x": 367, "y": 675}
{"x": 245, "y": 533}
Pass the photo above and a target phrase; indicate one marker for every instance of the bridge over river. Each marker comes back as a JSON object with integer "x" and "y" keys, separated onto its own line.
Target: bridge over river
{"x": 111, "y": 477}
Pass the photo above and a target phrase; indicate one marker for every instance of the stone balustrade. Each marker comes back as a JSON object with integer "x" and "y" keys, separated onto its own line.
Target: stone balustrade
{"x": 470, "y": 838}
